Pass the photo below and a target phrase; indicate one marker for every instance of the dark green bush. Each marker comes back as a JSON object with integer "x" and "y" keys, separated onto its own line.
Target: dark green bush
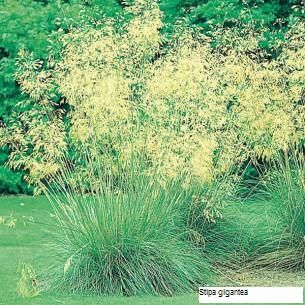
{"x": 11, "y": 181}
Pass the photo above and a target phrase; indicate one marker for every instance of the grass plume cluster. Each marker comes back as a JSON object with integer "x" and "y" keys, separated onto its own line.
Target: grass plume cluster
{"x": 186, "y": 99}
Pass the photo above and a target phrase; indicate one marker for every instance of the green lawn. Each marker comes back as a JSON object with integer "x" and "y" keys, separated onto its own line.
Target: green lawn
{"x": 27, "y": 243}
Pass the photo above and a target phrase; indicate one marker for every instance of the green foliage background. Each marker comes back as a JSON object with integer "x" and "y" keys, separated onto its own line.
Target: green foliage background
{"x": 29, "y": 23}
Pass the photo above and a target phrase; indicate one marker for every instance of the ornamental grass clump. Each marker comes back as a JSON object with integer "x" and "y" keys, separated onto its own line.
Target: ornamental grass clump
{"x": 127, "y": 237}
{"x": 243, "y": 236}
{"x": 286, "y": 188}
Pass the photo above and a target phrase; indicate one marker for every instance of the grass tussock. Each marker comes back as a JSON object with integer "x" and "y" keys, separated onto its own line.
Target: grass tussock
{"x": 286, "y": 187}
{"x": 127, "y": 240}
{"x": 266, "y": 232}
{"x": 244, "y": 235}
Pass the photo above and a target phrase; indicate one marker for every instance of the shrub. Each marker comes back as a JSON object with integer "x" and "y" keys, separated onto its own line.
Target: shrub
{"x": 11, "y": 182}
{"x": 275, "y": 16}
